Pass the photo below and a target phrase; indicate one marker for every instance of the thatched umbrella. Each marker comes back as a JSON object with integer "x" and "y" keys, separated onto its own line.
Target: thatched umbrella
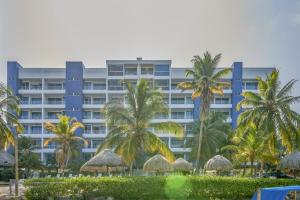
{"x": 218, "y": 163}
{"x": 105, "y": 161}
{"x": 6, "y": 159}
{"x": 291, "y": 161}
{"x": 157, "y": 164}
{"x": 182, "y": 165}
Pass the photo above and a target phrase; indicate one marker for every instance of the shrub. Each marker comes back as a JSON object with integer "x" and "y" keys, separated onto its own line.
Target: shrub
{"x": 150, "y": 188}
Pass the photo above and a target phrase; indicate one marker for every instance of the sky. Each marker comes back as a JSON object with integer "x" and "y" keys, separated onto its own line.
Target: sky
{"x": 46, "y": 33}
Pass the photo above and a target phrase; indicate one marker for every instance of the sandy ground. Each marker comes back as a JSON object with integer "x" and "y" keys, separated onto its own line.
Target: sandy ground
{"x": 4, "y": 191}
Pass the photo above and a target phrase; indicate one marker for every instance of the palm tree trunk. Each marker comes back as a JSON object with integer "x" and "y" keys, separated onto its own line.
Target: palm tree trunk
{"x": 131, "y": 170}
{"x": 244, "y": 170}
{"x": 261, "y": 169}
{"x": 251, "y": 168}
{"x": 199, "y": 146}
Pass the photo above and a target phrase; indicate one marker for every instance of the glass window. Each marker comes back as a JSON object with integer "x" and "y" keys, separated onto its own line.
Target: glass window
{"x": 52, "y": 115}
{"x": 26, "y": 128}
{"x": 116, "y": 98}
{"x": 177, "y": 143}
{"x": 96, "y": 143}
{"x": 162, "y": 84}
{"x": 161, "y": 116}
{"x": 55, "y": 86}
{"x": 222, "y": 100}
{"x": 251, "y": 85}
{"x": 99, "y": 86}
{"x": 188, "y": 100}
{"x": 99, "y": 129}
{"x": 36, "y": 100}
{"x": 25, "y": 85}
{"x": 87, "y": 100}
{"x": 177, "y": 100}
{"x": 36, "y": 115}
{"x": 36, "y": 129}
{"x": 24, "y": 100}
{"x": 97, "y": 115}
{"x": 174, "y": 84}
{"x": 165, "y": 140}
{"x": 88, "y": 129}
{"x": 189, "y": 114}
{"x": 177, "y": 115}
{"x": 115, "y": 70}
{"x": 36, "y": 86}
{"x": 130, "y": 69}
{"x": 115, "y": 84}
{"x": 54, "y": 100}
{"x": 188, "y": 129}
{"x": 99, "y": 100}
{"x": 87, "y": 85}
{"x": 24, "y": 114}
{"x": 87, "y": 114}
{"x": 162, "y": 70}
{"x": 146, "y": 69}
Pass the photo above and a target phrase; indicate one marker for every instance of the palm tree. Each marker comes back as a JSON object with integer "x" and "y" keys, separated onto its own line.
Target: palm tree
{"x": 215, "y": 133}
{"x": 130, "y": 127}
{"x": 65, "y": 138}
{"x": 270, "y": 109}
{"x": 9, "y": 111}
{"x": 206, "y": 83}
{"x": 248, "y": 145}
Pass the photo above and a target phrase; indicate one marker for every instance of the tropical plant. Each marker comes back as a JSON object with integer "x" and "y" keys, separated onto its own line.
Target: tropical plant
{"x": 270, "y": 109}
{"x": 248, "y": 145}
{"x": 27, "y": 158}
{"x": 65, "y": 138}
{"x": 130, "y": 127}
{"x": 9, "y": 111}
{"x": 215, "y": 133}
{"x": 206, "y": 82}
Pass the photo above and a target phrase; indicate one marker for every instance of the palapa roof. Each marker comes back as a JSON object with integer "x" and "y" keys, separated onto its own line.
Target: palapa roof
{"x": 6, "y": 159}
{"x": 182, "y": 165}
{"x": 158, "y": 163}
{"x": 291, "y": 161}
{"x": 105, "y": 161}
{"x": 218, "y": 163}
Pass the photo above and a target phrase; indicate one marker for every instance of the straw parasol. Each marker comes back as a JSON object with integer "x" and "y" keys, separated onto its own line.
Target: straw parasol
{"x": 6, "y": 159}
{"x": 105, "y": 161}
{"x": 291, "y": 161}
{"x": 157, "y": 164}
{"x": 182, "y": 165}
{"x": 218, "y": 163}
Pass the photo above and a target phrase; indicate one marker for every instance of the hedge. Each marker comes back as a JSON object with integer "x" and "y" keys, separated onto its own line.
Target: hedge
{"x": 150, "y": 188}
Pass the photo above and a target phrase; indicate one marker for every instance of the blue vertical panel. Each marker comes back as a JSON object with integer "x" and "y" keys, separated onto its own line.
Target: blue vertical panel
{"x": 237, "y": 87}
{"x": 197, "y": 103}
{"x": 162, "y": 70}
{"x": 74, "y": 87}
{"x": 13, "y": 76}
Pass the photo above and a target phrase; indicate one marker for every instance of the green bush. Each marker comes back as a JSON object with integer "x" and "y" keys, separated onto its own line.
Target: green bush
{"x": 150, "y": 188}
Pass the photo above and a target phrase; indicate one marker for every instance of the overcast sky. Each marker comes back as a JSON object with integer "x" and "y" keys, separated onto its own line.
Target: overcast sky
{"x": 46, "y": 33}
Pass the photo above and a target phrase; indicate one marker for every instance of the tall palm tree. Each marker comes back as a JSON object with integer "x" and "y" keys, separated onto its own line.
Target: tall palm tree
{"x": 215, "y": 133}
{"x": 130, "y": 127}
{"x": 270, "y": 109}
{"x": 206, "y": 83}
{"x": 65, "y": 138}
{"x": 9, "y": 111}
{"x": 249, "y": 146}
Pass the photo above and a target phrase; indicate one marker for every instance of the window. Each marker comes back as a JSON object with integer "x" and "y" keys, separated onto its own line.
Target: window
{"x": 162, "y": 84}
{"x": 25, "y": 85}
{"x": 24, "y": 100}
{"x": 189, "y": 114}
{"x": 130, "y": 69}
{"x": 177, "y": 100}
{"x": 52, "y": 115}
{"x": 115, "y": 84}
{"x": 55, "y": 86}
{"x": 97, "y": 115}
{"x": 222, "y": 100}
{"x": 88, "y": 129}
{"x": 115, "y": 70}
{"x": 24, "y": 114}
{"x": 99, "y": 100}
{"x": 146, "y": 69}
{"x": 165, "y": 140}
{"x": 87, "y": 115}
{"x": 161, "y": 116}
{"x": 87, "y": 100}
{"x": 36, "y": 143}
{"x": 36, "y": 100}
{"x": 174, "y": 84}
{"x": 188, "y": 129}
{"x": 96, "y": 143}
{"x": 87, "y": 85}
{"x": 36, "y": 86}
{"x": 166, "y": 100}
{"x": 162, "y": 70}
{"x": 36, "y": 129}
{"x": 188, "y": 100}
{"x": 54, "y": 100}
{"x": 36, "y": 115}
{"x": 99, "y": 129}
{"x": 177, "y": 115}
{"x": 116, "y": 98}
{"x": 177, "y": 143}
{"x": 25, "y": 128}
{"x": 250, "y": 85}
{"x": 99, "y": 86}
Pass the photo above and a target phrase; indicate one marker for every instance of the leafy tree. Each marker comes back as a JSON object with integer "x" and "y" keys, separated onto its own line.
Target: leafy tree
{"x": 270, "y": 109}
{"x": 215, "y": 133}
{"x": 130, "y": 126}
{"x": 27, "y": 158}
{"x": 206, "y": 82}
{"x": 65, "y": 138}
{"x": 9, "y": 110}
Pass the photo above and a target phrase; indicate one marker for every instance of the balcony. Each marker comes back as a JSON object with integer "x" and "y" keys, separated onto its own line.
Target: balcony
{"x": 54, "y": 103}
{"x": 54, "y": 88}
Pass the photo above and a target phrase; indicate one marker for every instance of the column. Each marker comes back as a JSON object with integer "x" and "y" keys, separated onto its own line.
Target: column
{"x": 237, "y": 88}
